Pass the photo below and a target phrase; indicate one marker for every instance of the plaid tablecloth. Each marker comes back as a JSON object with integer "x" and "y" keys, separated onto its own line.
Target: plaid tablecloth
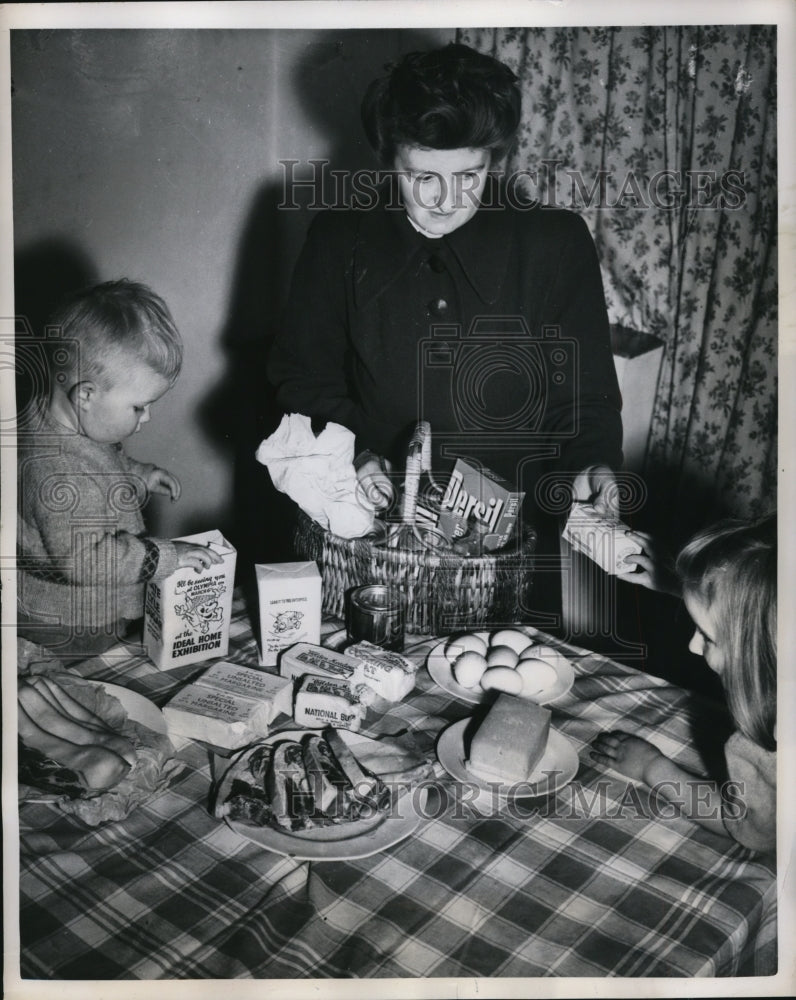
{"x": 592, "y": 882}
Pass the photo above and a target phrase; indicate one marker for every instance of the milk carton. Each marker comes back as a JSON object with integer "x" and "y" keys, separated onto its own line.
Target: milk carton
{"x": 290, "y": 607}
{"x": 187, "y": 615}
{"x": 601, "y": 538}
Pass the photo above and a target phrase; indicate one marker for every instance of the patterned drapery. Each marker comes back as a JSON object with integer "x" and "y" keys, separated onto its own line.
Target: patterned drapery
{"x": 664, "y": 139}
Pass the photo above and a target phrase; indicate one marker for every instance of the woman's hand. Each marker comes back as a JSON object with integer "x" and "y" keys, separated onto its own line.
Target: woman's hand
{"x": 627, "y": 754}
{"x": 198, "y": 556}
{"x": 650, "y": 568}
{"x": 597, "y": 485}
{"x": 373, "y": 474}
{"x": 161, "y": 481}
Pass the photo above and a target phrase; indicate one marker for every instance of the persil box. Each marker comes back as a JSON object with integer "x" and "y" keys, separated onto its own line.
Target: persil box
{"x": 290, "y": 607}
{"x": 481, "y": 496}
{"x": 187, "y": 615}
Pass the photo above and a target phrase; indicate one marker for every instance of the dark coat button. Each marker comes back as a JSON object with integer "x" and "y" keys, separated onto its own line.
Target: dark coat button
{"x": 438, "y": 307}
{"x": 436, "y": 263}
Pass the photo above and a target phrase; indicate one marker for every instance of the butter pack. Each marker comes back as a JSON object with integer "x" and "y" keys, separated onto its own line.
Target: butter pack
{"x": 290, "y": 606}
{"x": 309, "y": 658}
{"x": 322, "y": 702}
{"x": 229, "y": 705}
{"x": 389, "y": 674}
{"x": 187, "y": 615}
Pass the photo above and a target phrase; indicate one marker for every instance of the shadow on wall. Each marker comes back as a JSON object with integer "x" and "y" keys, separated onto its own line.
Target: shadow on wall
{"x": 329, "y": 79}
{"x": 44, "y": 273}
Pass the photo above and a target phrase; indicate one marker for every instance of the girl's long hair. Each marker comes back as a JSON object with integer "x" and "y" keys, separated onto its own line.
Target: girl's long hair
{"x": 732, "y": 569}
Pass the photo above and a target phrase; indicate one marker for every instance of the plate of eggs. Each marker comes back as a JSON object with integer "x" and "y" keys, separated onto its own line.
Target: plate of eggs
{"x": 510, "y": 660}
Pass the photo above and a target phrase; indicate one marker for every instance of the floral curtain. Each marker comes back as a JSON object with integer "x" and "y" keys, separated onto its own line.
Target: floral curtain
{"x": 664, "y": 139}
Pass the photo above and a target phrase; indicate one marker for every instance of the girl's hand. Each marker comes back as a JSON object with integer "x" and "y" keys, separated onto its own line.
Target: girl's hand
{"x": 161, "y": 481}
{"x": 650, "y": 568}
{"x": 199, "y": 556}
{"x": 627, "y": 754}
{"x": 597, "y": 485}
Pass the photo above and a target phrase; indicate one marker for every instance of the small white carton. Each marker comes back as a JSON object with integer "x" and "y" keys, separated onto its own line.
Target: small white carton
{"x": 290, "y": 607}
{"x": 600, "y": 538}
{"x": 187, "y": 615}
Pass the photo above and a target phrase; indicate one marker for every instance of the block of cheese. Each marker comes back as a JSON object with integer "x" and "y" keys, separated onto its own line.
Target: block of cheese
{"x": 229, "y": 705}
{"x": 306, "y": 658}
{"x": 389, "y": 674}
{"x": 323, "y": 702}
{"x": 510, "y": 741}
{"x": 602, "y": 539}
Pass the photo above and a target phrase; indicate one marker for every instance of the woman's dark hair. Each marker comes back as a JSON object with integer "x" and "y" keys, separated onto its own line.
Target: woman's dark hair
{"x": 449, "y": 98}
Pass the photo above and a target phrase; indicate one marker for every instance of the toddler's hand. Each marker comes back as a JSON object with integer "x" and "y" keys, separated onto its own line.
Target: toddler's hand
{"x": 650, "y": 568}
{"x": 198, "y": 556}
{"x": 161, "y": 481}
{"x": 627, "y": 754}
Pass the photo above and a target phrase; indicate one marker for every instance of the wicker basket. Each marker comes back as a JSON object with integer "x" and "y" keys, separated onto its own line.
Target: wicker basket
{"x": 445, "y": 592}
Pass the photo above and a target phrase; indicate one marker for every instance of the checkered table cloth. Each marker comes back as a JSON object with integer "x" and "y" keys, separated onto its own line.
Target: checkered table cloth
{"x": 592, "y": 882}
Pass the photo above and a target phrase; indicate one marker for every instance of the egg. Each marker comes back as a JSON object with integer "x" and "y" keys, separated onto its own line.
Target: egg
{"x": 459, "y": 644}
{"x": 511, "y": 637}
{"x": 468, "y": 668}
{"x": 536, "y": 676}
{"x": 501, "y": 656}
{"x": 502, "y": 679}
{"x": 547, "y": 653}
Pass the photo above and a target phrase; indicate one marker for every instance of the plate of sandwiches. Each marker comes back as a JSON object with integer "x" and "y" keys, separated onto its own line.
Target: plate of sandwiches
{"x": 473, "y": 665}
{"x": 316, "y": 795}
{"x": 513, "y": 752}
{"x": 93, "y": 748}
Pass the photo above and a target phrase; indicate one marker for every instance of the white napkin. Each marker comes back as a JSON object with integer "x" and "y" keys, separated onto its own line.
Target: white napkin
{"x": 318, "y": 473}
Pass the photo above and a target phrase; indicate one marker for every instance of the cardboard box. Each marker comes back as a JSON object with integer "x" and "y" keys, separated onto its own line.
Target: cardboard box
{"x": 187, "y": 615}
{"x": 483, "y": 498}
{"x": 601, "y": 539}
{"x": 290, "y": 607}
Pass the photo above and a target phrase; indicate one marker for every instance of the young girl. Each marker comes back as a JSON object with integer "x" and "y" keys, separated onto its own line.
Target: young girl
{"x": 728, "y": 575}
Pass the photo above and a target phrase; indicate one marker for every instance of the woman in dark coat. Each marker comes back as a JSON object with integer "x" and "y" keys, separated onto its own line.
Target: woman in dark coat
{"x": 441, "y": 297}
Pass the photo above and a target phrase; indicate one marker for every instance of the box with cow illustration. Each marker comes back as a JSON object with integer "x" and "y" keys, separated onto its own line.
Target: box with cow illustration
{"x": 290, "y": 607}
{"x": 187, "y": 615}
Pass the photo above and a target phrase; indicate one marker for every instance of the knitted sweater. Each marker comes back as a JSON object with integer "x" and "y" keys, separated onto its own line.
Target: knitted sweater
{"x": 83, "y": 558}
{"x": 754, "y": 772}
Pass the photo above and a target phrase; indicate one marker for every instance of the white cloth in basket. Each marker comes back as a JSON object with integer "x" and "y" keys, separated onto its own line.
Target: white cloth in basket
{"x": 318, "y": 473}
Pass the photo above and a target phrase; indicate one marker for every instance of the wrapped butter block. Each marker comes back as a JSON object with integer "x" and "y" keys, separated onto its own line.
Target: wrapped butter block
{"x": 323, "y": 702}
{"x": 308, "y": 658}
{"x": 603, "y": 540}
{"x": 248, "y": 683}
{"x": 389, "y": 674}
{"x": 229, "y": 705}
{"x": 187, "y": 615}
{"x": 290, "y": 606}
{"x": 510, "y": 741}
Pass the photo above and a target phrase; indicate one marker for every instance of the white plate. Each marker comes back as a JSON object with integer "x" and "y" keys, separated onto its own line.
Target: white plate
{"x": 137, "y": 707}
{"x": 345, "y": 841}
{"x": 441, "y": 671}
{"x": 559, "y": 757}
